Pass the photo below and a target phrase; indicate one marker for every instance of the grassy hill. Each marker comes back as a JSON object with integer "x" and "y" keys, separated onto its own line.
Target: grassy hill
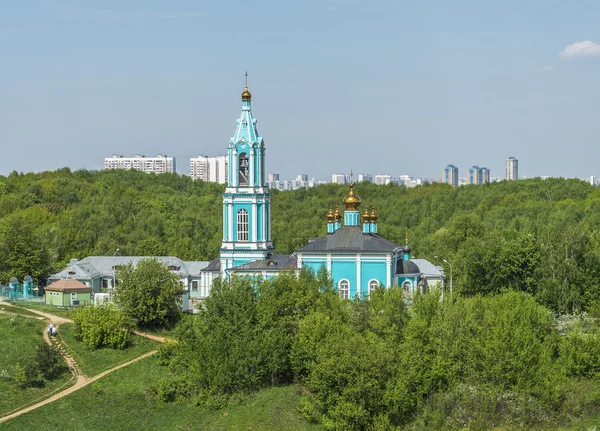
{"x": 120, "y": 401}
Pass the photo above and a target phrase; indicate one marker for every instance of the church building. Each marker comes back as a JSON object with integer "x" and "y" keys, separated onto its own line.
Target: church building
{"x": 357, "y": 258}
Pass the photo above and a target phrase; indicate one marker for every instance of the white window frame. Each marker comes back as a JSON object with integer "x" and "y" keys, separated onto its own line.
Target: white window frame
{"x": 242, "y": 225}
{"x": 343, "y": 295}
{"x": 405, "y": 284}
{"x": 370, "y": 289}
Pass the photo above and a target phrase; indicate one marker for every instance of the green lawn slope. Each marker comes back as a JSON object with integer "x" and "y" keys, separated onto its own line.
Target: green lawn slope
{"x": 120, "y": 401}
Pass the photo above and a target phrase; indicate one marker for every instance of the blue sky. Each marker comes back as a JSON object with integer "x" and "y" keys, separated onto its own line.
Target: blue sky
{"x": 382, "y": 87}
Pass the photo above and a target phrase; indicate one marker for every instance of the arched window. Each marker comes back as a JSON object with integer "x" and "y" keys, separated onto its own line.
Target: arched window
{"x": 373, "y": 285}
{"x": 407, "y": 286}
{"x": 242, "y": 225}
{"x": 243, "y": 169}
{"x": 344, "y": 288}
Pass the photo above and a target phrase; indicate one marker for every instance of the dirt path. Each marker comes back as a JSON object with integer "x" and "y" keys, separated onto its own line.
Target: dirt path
{"x": 81, "y": 380}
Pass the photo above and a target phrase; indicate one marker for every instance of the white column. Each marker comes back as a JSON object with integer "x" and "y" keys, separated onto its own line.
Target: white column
{"x": 254, "y": 223}
{"x": 358, "y": 283}
{"x": 230, "y": 230}
{"x": 251, "y": 166}
{"x": 264, "y": 221}
{"x": 234, "y": 168}
{"x": 388, "y": 271}
{"x": 329, "y": 264}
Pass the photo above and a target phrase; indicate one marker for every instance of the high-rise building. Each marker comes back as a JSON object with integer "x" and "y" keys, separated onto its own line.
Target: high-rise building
{"x": 158, "y": 165}
{"x": 213, "y": 169}
{"x": 382, "y": 179}
{"x": 478, "y": 175}
{"x": 302, "y": 177}
{"x": 512, "y": 169}
{"x": 450, "y": 175}
{"x": 485, "y": 175}
{"x": 339, "y": 179}
{"x": 592, "y": 180}
{"x": 273, "y": 177}
{"x": 365, "y": 177}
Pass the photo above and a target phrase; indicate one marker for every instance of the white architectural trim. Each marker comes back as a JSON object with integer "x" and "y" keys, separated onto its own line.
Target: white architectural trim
{"x": 339, "y": 285}
{"x": 388, "y": 271}
{"x": 358, "y": 274}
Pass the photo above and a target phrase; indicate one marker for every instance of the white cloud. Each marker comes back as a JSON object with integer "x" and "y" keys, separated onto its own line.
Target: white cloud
{"x": 584, "y": 49}
{"x": 547, "y": 69}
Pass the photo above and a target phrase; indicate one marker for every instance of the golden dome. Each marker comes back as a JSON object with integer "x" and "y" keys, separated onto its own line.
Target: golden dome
{"x": 246, "y": 95}
{"x": 351, "y": 201}
{"x": 337, "y": 215}
{"x": 366, "y": 217}
{"x": 330, "y": 216}
{"x": 373, "y": 215}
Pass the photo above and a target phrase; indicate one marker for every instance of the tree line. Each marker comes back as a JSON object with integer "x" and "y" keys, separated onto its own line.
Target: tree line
{"x": 535, "y": 236}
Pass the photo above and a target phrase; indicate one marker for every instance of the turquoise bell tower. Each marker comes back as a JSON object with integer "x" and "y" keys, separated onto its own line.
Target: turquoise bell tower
{"x": 246, "y": 201}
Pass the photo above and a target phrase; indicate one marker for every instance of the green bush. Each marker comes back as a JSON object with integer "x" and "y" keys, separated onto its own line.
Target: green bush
{"x": 101, "y": 326}
{"x": 28, "y": 375}
{"x": 50, "y": 361}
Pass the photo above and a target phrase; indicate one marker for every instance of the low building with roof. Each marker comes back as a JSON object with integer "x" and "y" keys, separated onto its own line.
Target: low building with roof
{"x": 68, "y": 293}
{"x": 100, "y": 273}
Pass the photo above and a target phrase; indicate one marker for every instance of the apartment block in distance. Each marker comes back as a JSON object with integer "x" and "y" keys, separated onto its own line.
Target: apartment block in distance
{"x": 158, "y": 165}
{"x": 213, "y": 169}
{"x": 478, "y": 175}
{"x": 450, "y": 175}
{"x": 512, "y": 169}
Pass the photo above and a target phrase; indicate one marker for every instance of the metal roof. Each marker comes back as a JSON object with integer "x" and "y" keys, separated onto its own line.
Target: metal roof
{"x": 105, "y": 266}
{"x": 68, "y": 286}
{"x": 350, "y": 239}
{"x": 428, "y": 268}
{"x": 275, "y": 262}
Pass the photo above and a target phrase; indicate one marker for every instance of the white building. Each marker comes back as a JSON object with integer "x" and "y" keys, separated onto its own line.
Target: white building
{"x": 159, "y": 164}
{"x": 365, "y": 177}
{"x": 273, "y": 177}
{"x": 512, "y": 169}
{"x": 302, "y": 177}
{"x": 339, "y": 179}
{"x": 213, "y": 169}
{"x": 382, "y": 180}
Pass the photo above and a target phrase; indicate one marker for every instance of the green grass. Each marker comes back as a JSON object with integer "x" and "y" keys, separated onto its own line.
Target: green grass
{"x": 18, "y": 310}
{"x": 19, "y": 337}
{"x": 119, "y": 401}
{"x": 92, "y": 362}
{"x": 57, "y": 311}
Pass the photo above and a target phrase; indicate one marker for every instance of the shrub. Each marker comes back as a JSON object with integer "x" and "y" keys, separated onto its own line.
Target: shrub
{"x": 101, "y": 326}
{"x": 49, "y": 361}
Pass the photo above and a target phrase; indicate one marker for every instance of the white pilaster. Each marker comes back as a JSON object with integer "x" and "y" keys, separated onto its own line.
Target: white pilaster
{"x": 230, "y": 205}
{"x": 251, "y": 167}
{"x": 254, "y": 236}
{"x": 358, "y": 283}
{"x": 388, "y": 271}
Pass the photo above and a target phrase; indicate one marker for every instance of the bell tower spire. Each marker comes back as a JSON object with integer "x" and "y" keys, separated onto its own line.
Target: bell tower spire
{"x": 246, "y": 201}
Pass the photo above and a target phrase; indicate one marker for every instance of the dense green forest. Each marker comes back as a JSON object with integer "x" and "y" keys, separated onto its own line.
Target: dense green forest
{"x": 536, "y": 236}
{"x": 516, "y": 345}
{"x": 478, "y": 363}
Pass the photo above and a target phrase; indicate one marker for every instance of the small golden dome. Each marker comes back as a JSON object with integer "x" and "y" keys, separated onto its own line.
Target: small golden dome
{"x": 366, "y": 217}
{"x": 351, "y": 201}
{"x": 337, "y": 215}
{"x": 246, "y": 95}
{"x": 373, "y": 215}
{"x": 330, "y": 216}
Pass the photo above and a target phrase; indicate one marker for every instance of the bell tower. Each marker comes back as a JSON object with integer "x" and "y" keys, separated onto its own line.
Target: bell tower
{"x": 246, "y": 201}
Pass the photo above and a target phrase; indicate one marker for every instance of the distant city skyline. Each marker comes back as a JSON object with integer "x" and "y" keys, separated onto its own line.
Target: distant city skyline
{"x": 468, "y": 84}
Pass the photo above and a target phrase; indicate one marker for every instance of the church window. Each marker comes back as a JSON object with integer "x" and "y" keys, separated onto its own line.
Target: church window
{"x": 407, "y": 286}
{"x": 243, "y": 169}
{"x": 242, "y": 225}
{"x": 344, "y": 288}
{"x": 373, "y": 285}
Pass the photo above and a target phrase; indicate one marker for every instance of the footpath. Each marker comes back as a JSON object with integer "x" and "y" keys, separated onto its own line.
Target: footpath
{"x": 80, "y": 379}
